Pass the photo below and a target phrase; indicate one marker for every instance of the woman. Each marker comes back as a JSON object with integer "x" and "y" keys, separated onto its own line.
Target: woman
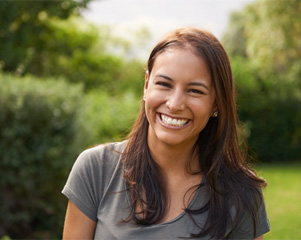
{"x": 181, "y": 172}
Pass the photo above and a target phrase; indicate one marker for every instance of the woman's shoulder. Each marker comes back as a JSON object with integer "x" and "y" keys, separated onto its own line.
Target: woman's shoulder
{"x": 100, "y": 157}
{"x": 104, "y": 152}
{"x": 91, "y": 175}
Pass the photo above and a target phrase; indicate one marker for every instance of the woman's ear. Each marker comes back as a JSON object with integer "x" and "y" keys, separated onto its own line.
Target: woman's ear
{"x": 146, "y": 82}
{"x": 214, "y": 110}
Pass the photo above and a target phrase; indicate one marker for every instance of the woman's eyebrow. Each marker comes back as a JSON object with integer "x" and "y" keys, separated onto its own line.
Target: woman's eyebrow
{"x": 189, "y": 84}
{"x": 164, "y": 76}
{"x": 198, "y": 84}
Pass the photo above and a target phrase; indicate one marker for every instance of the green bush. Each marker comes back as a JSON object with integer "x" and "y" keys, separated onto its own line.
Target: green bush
{"x": 275, "y": 131}
{"x": 108, "y": 118}
{"x": 39, "y": 135}
{"x": 270, "y": 106}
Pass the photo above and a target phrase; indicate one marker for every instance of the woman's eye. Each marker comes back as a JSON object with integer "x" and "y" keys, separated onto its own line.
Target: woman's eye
{"x": 164, "y": 84}
{"x": 196, "y": 91}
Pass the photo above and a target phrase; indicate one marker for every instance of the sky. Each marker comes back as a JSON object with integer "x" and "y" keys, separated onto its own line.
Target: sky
{"x": 162, "y": 16}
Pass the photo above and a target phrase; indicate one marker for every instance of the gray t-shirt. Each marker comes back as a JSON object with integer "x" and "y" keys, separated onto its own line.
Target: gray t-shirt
{"x": 97, "y": 187}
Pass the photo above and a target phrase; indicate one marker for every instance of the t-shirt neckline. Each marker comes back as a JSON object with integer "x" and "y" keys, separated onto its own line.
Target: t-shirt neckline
{"x": 191, "y": 203}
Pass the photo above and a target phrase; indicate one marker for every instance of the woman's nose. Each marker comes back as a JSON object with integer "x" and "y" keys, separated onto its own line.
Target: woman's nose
{"x": 176, "y": 101}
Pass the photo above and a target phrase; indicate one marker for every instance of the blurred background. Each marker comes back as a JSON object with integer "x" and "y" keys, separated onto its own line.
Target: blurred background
{"x": 72, "y": 75}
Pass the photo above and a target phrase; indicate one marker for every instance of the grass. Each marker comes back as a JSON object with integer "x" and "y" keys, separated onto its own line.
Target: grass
{"x": 283, "y": 199}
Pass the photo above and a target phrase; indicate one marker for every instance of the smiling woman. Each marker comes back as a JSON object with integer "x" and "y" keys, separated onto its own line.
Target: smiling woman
{"x": 180, "y": 173}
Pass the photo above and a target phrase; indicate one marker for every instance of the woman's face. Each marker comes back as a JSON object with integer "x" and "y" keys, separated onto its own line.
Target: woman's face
{"x": 180, "y": 98}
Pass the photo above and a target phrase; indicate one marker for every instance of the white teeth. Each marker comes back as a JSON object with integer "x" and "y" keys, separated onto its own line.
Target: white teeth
{"x": 169, "y": 121}
{"x": 172, "y": 121}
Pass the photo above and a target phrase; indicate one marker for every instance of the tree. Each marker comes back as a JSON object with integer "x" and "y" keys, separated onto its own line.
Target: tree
{"x": 263, "y": 41}
{"x": 268, "y": 33}
{"x": 23, "y": 25}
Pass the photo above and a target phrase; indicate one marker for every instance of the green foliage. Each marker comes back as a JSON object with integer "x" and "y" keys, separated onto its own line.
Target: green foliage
{"x": 5, "y": 238}
{"x": 39, "y": 132}
{"x": 58, "y": 45}
{"x": 267, "y": 35}
{"x": 78, "y": 52}
{"x": 271, "y": 112}
{"x": 43, "y": 125}
{"x": 74, "y": 51}
{"x": 263, "y": 41}
{"x": 275, "y": 130}
{"x": 273, "y": 33}
{"x": 234, "y": 38}
{"x": 22, "y": 26}
{"x": 48, "y": 39}
{"x": 131, "y": 78}
{"x": 108, "y": 118}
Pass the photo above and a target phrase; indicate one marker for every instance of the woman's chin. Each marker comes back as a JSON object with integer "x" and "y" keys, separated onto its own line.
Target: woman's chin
{"x": 173, "y": 139}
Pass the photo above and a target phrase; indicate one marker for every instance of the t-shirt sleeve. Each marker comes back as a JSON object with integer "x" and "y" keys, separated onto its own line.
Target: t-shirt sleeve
{"x": 244, "y": 229}
{"x": 84, "y": 186}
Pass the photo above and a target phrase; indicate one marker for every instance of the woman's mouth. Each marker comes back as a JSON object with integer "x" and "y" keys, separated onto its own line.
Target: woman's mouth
{"x": 176, "y": 122}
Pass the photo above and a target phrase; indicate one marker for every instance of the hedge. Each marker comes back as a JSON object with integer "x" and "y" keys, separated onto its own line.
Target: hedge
{"x": 39, "y": 137}
{"x": 108, "y": 118}
{"x": 270, "y": 106}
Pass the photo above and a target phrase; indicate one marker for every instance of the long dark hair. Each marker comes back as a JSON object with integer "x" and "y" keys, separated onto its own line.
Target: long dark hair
{"x": 222, "y": 160}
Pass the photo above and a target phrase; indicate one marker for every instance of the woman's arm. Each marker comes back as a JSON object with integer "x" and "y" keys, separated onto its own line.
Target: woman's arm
{"x": 259, "y": 238}
{"x": 77, "y": 224}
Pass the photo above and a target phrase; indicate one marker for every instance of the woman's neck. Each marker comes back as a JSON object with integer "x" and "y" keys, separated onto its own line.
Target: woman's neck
{"x": 174, "y": 159}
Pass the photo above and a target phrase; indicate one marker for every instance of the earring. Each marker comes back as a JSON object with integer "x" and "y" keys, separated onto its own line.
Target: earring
{"x": 144, "y": 98}
{"x": 215, "y": 114}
